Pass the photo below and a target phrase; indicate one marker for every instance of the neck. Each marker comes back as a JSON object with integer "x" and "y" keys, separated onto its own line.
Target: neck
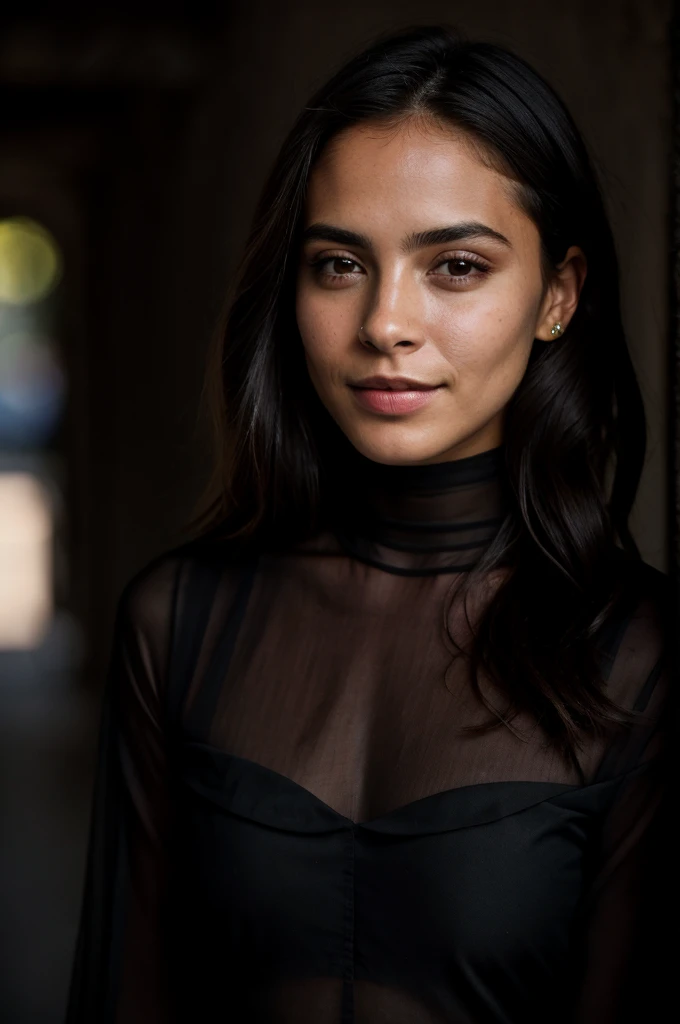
{"x": 421, "y": 519}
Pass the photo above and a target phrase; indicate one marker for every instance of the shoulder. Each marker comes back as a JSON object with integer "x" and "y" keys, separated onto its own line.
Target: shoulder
{"x": 150, "y": 595}
{"x": 649, "y": 600}
{"x": 651, "y": 583}
{"x": 643, "y": 632}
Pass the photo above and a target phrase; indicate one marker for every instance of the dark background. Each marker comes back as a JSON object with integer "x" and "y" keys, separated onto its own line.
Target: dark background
{"x": 139, "y": 136}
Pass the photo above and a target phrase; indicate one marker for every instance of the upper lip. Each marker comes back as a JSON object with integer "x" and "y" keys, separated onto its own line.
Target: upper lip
{"x": 394, "y": 384}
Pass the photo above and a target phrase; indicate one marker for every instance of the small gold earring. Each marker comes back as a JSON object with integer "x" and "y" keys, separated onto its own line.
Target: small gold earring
{"x": 556, "y": 330}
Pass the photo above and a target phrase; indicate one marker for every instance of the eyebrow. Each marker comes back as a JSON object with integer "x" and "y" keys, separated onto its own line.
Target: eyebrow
{"x": 411, "y": 243}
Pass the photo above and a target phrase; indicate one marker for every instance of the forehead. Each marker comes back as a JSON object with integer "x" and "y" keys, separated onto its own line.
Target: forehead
{"x": 416, "y": 173}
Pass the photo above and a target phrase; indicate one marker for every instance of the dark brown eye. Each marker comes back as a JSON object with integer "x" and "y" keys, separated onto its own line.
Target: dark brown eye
{"x": 334, "y": 266}
{"x": 461, "y": 268}
{"x": 341, "y": 265}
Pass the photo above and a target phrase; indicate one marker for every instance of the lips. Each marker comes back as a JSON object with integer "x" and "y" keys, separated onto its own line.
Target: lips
{"x": 402, "y": 387}
{"x": 378, "y": 383}
{"x": 394, "y": 401}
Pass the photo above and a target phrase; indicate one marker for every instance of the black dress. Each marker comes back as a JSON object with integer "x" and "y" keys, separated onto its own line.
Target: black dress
{"x": 291, "y": 823}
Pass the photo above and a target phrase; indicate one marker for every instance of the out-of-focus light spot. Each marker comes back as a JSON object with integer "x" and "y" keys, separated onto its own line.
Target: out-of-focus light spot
{"x": 32, "y": 388}
{"x": 26, "y": 525}
{"x": 30, "y": 261}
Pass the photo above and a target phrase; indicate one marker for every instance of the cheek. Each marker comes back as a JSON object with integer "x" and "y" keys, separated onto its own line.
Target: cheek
{"x": 307, "y": 313}
{"x": 319, "y": 352}
{"x": 487, "y": 343}
{"x": 323, "y": 333}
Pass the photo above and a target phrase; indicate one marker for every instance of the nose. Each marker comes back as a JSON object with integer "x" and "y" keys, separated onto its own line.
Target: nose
{"x": 392, "y": 319}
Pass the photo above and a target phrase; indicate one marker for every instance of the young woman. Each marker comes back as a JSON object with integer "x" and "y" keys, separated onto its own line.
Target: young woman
{"x": 384, "y": 740}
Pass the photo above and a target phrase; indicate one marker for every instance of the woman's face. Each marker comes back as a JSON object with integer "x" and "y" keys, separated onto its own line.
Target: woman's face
{"x": 416, "y": 262}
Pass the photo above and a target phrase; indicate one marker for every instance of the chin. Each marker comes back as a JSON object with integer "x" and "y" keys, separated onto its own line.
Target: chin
{"x": 398, "y": 451}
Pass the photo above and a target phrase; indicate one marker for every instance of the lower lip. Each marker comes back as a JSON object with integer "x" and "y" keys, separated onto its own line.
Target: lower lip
{"x": 393, "y": 403}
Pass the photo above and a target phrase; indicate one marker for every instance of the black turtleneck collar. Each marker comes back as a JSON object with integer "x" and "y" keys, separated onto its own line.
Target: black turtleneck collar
{"x": 421, "y": 519}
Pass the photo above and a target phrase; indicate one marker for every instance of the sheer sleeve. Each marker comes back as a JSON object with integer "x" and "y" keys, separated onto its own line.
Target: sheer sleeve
{"x": 119, "y": 967}
{"x": 630, "y": 906}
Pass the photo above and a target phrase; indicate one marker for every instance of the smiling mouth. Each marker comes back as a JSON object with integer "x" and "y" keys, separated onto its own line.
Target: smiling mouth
{"x": 397, "y": 401}
{"x": 408, "y": 387}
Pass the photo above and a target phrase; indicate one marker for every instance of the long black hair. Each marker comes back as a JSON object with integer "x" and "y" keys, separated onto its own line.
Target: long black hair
{"x": 575, "y": 432}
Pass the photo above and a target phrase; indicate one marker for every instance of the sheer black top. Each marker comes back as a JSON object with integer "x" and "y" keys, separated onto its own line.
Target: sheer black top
{"x": 291, "y": 823}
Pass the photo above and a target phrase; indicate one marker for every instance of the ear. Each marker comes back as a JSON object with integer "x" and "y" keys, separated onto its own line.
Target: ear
{"x": 561, "y": 299}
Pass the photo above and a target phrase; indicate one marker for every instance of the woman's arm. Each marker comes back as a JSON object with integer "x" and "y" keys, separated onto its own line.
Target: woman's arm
{"x": 120, "y": 966}
{"x": 631, "y": 900}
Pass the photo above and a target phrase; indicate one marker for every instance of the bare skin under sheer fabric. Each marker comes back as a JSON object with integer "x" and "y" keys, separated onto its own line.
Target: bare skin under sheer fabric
{"x": 291, "y": 824}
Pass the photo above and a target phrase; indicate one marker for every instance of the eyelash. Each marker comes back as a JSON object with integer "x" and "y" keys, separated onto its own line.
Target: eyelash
{"x": 481, "y": 265}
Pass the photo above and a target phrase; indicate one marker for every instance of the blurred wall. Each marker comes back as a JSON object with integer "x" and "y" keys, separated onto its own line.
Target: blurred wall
{"x": 141, "y": 137}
